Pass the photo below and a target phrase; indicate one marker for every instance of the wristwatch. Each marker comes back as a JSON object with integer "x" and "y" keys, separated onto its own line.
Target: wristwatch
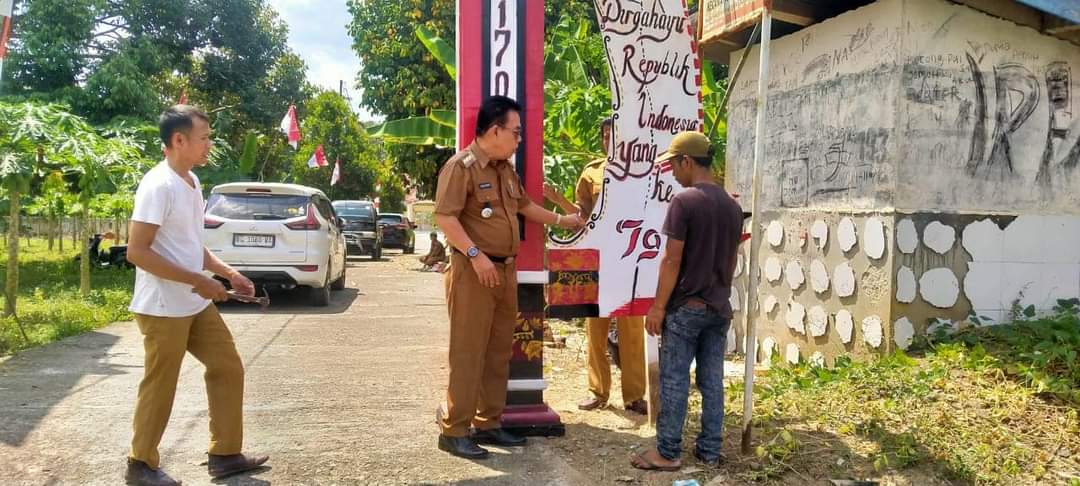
{"x": 472, "y": 252}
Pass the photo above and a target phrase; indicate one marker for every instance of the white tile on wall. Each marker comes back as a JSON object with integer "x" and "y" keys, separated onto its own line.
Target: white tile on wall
{"x": 1029, "y": 279}
{"x": 982, "y": 285}
{"x": 984, "y": 241}
{"x": 1023, "y": 240}
{"x": 1062, "y": 239}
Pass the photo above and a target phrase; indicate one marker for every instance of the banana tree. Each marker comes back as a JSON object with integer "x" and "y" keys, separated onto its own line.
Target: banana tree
{"x": 563, "y": 62}
{"x": 438, "y": 127}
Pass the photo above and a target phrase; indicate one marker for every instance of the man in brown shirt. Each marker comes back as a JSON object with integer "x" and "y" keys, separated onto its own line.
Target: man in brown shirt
{"x": 477, "y": 203}
{"x": 630, "y": 329}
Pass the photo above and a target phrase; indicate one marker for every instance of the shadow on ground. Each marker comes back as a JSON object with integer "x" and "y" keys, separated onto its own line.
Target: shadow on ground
{"x": 33, "y": 382}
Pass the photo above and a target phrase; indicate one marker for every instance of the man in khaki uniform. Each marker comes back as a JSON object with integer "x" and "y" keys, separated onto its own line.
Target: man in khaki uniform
{"x": 631, "y": 330}
{"x": 477, "y": 203}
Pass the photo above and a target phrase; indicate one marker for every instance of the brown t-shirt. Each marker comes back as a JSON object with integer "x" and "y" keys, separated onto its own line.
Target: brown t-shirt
{"x": 469, "y": 181}
{"x": 709, "y": 222}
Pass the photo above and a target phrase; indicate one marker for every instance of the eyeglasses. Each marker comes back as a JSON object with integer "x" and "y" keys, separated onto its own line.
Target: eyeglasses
{"x": 516, "y": 131}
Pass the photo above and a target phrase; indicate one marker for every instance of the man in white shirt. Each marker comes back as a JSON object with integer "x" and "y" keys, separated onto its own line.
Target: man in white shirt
{"x": 173, "y": 305}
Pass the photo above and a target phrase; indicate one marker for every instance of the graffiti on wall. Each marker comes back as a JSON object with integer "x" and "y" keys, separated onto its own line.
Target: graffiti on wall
{"x": 1017, "y": 94}
{"x": 1009, "y": 111}
{"x": 884, "y": 106}
{"x": 828, "y": 135}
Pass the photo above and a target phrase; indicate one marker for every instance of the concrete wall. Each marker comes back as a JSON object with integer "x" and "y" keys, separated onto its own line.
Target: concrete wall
{"x": 990, "y": 115}
{"x": 824, "y": 274}
{"x": 951, "y": 131}
{"x": 831, "y": 119}
{"x": 997, "y": 264}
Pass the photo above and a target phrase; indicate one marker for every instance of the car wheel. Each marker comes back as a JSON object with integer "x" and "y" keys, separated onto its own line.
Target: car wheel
{"x": 320, "y": 297}
{"x": 339, "y": 284}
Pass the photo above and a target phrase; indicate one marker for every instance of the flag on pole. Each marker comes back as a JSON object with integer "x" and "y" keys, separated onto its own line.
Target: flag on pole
{"x": 183, "y": 97}
{"x": 336, "y": 176}
{"x": 5, "y": 31}
{"x": 318, "y": 159}
{"x": 290, "y": 126}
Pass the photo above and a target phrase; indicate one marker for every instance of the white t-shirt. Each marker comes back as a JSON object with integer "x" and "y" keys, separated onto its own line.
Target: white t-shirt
{"x": 166, "y": 200}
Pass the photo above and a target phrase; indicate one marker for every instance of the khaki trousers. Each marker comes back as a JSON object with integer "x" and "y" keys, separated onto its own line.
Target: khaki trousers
{"x": 482, "y": 322}
{"x": 165, "y": 341}
{"x": 631, "y": 357}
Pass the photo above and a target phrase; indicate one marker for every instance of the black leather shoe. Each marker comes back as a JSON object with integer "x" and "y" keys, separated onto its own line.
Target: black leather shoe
{"x": 140, "y": 474}
{"x": 462, "y": 447}
{"x": 221, "y": 466}
{"x": 497, "y": 437}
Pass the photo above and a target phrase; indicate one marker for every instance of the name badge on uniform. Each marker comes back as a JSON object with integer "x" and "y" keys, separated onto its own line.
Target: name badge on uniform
{"x": 485, "y": 185}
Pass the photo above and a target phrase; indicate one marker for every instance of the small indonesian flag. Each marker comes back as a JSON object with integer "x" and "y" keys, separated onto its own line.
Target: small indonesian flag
{"x": 5, "y": 30}
{"x": 318, "y": 159}
{"x": 290, "y": 126}
{"x": 336, "y": 176}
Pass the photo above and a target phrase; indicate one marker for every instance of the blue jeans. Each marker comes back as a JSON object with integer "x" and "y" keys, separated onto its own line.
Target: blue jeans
{"x": 690, "y": 334}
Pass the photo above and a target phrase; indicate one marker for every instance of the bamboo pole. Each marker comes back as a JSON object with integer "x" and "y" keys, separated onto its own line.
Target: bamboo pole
{"x": 755, "y": 232}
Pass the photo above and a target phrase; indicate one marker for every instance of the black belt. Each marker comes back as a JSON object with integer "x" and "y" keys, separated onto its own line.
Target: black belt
{"x": 494, "y": 259}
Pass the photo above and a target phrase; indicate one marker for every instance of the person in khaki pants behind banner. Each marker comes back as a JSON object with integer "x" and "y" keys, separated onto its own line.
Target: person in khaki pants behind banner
{"x": 173, "y": 308}
{"x": 477, "y": 203}
{"x": 631, "y": 330}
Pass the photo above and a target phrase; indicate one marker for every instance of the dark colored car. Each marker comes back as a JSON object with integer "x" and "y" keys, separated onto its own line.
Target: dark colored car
{"x": 398, "y": 232}
{"x": 362, "y": 233}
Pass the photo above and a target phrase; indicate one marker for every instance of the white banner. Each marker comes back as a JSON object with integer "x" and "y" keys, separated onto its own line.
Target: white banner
{"x": 655, "y": 90}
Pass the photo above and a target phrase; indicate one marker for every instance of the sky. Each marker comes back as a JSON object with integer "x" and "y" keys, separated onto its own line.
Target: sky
{"x": 317, "y": 32}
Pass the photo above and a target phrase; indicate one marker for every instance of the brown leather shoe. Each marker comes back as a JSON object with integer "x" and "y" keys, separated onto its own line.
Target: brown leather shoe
{"x": 591, "y": 403}
{"x": 141, "y": 474}
{"x": 640, "y": 407}
{"x": 221, "y": 466}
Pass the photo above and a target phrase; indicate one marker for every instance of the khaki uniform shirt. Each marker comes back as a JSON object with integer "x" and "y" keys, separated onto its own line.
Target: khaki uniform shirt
{"x": 469, "y": 181}
{"x": 589, "y": 185}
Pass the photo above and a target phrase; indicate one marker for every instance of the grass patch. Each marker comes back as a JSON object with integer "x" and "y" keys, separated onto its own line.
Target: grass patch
{"x": 992, "y": 405}
{"x": 49, "y": 305}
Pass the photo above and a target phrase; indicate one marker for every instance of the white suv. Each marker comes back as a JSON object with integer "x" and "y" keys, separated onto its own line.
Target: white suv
{"x": 278, "y": 235}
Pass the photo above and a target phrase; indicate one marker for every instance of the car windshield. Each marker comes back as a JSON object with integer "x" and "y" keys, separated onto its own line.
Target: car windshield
{"x": 256, "y": 206}
{"x": 361, "y": 211}
{"x": 389, "y": 218}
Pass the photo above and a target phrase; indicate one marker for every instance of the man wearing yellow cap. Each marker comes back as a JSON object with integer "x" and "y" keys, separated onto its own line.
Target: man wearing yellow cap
{"x": 691, "y": 310}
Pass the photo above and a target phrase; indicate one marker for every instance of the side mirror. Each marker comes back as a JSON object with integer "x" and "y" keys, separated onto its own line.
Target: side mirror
{"x": 340, "y": 222}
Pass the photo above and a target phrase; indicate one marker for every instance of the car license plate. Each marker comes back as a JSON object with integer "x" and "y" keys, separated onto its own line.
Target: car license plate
{"x": 265, "y": 241}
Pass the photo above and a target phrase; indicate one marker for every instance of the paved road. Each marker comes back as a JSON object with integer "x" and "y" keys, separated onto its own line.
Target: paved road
{"x": 338, "y": 395}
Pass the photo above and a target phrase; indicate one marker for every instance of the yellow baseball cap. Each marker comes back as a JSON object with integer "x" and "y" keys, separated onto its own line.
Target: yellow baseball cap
{"x": 694, "y": 144}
